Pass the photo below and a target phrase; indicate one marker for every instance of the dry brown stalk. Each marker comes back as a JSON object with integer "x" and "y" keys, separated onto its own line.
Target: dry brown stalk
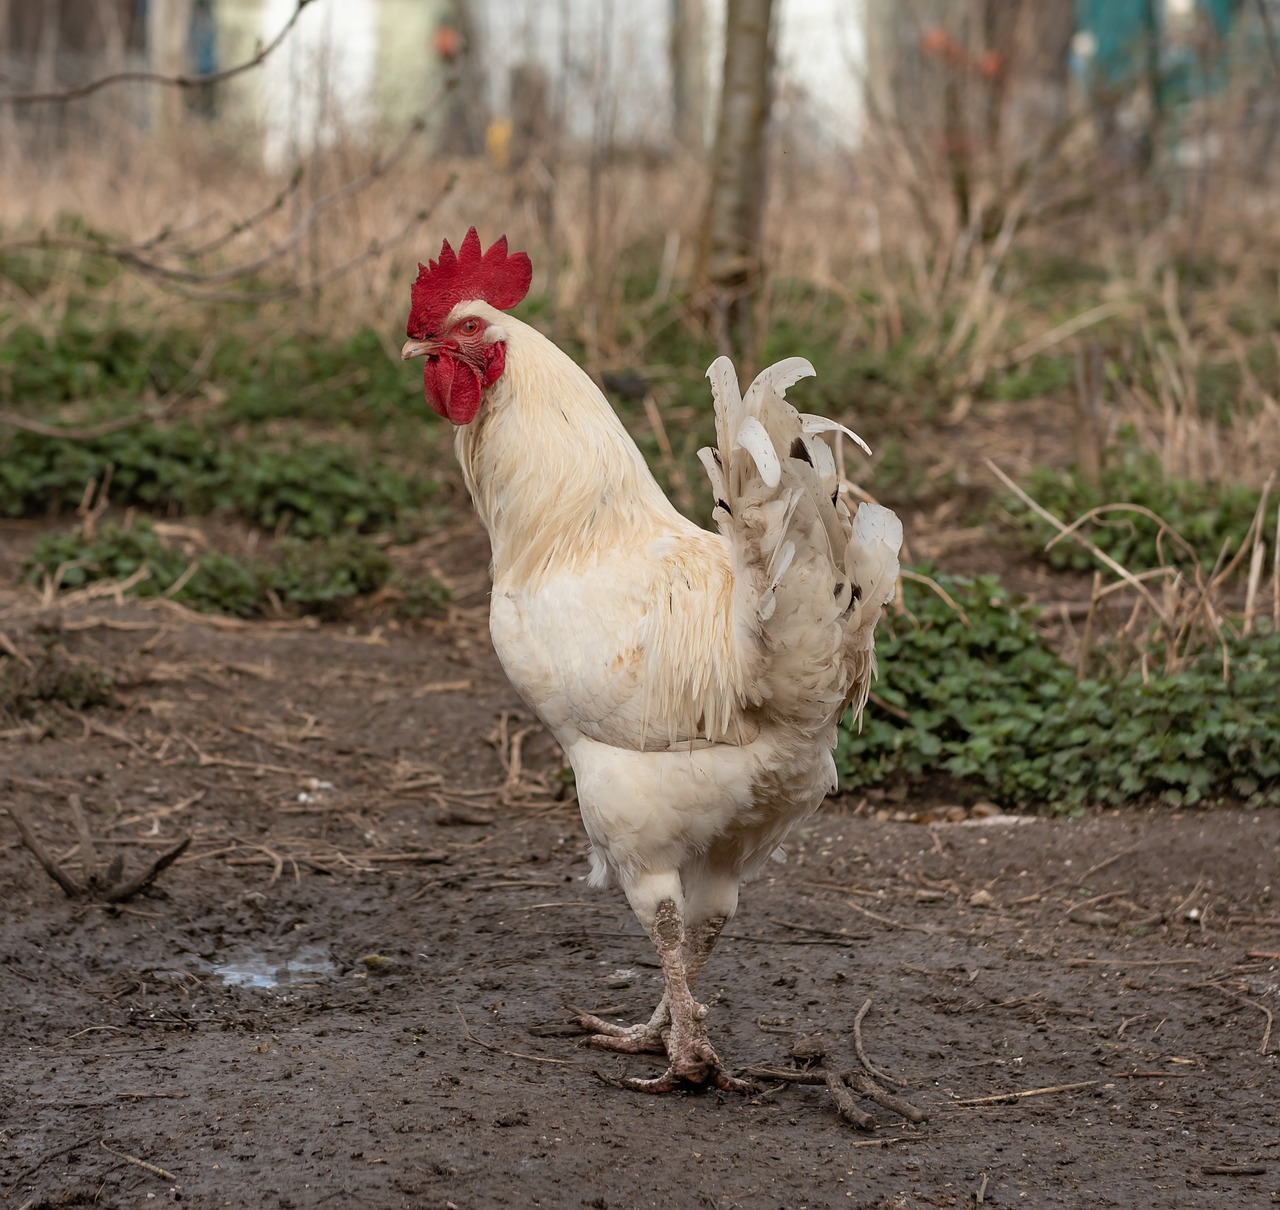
{"x": 1123, "y": 572}
{"x": 918, "y": 578}
{"x": 137, "y": 1163}
{"x": 684, "y": 499}
{"x": 1275, "y": 576}
{"x": 1188, "y": 606}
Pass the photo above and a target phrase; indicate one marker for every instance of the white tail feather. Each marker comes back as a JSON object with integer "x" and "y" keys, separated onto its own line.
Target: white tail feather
{"x": 820, "y": 424}
{"x": 779, "y": 377}
{"x": 810, "y": 580}
{"x": 751, "y": 436}
{"x": 874, "y": 545}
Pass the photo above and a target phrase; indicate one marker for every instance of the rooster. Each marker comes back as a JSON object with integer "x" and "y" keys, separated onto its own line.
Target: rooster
{"x": 694, "y": 679}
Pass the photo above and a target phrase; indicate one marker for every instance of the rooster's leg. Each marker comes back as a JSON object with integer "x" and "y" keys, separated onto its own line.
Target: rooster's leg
{"x": 694, "y": 1064}
{"x": 649, "y": 1037}
{"x": 700, "y": 940}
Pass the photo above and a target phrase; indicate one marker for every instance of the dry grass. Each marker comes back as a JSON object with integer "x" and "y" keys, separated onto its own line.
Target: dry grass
{"x": 1176, "y": 610}
{"x": 876, "y": 230}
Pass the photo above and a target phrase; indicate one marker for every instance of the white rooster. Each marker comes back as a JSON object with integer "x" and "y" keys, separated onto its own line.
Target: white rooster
{"x": 694, "y": 679}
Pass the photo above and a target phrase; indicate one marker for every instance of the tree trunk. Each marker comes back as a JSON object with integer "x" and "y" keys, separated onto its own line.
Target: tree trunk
{"x": 1029, "y": 93}
{"x": 688, "y": 52}
{"x": 168, "y": 49}
{"x": 730, "y": 260}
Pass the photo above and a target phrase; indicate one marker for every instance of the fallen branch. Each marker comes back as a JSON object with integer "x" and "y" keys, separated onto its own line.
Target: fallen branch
{"x": 108, "y": 887}
{"x": 999, "y": 1097}
{"x": 133, "y": 1159}
{"x": 127, "y": 890}
{"x": 861, "y": 1082}
{"x": 840, "y": 1085}
{"x": 71, "y": 888}
{"x": 872, "y": 1069}
{"x": 845, "y": 1105}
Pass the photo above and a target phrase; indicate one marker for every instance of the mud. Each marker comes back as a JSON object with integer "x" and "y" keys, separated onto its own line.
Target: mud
{"x": 349, "y": 990}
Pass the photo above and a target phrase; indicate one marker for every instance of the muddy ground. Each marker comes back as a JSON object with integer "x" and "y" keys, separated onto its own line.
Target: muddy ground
{"x": 349, "y": 989}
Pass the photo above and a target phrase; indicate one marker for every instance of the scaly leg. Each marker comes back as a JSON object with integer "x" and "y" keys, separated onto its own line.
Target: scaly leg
{"x": 649, "y": 1037}
{"x": 694, "y": 1064}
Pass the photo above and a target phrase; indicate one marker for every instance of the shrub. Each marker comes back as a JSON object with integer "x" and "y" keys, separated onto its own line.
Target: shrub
{"x": 983, "y": 700}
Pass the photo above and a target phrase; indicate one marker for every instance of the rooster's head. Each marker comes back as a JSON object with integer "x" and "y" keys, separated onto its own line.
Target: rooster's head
{"x": 465, "y": 352}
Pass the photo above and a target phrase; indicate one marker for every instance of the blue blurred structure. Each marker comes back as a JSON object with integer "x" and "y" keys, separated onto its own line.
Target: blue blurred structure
{"x": 1184, "y": 49}
{"x": 1168, "y": 56}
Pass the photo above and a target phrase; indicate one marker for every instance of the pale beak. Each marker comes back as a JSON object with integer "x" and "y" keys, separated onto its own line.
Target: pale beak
{"x": 418, "y": 348}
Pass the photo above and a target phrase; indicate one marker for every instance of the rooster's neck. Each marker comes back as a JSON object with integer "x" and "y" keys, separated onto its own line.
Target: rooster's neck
{"x": 555, "y": 477}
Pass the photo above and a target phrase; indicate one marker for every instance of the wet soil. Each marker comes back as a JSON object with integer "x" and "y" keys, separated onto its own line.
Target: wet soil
{"x": 349, "y": 989}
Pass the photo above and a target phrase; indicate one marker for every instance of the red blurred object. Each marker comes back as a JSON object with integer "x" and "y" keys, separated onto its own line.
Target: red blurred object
{"x": 447, "y": 43}
{"x": 937, "y": 43}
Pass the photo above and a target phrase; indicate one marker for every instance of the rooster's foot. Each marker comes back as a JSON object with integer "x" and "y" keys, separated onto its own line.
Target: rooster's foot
{"x": 645, "y": 1038}
{"x": 695, "y": 1066}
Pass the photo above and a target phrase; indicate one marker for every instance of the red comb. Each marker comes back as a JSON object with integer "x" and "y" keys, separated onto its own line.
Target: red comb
{"x": 494, "y": 277}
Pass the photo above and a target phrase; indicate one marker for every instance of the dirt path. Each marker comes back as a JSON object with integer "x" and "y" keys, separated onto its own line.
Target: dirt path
{"x": 348, "y": 991}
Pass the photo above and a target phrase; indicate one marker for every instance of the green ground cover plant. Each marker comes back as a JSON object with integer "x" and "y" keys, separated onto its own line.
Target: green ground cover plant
{"x": 309, "y": 488}
{"x": 319, "y": 576}
{"x": 1208, "y": 516}
{"x": 971, "y": 692}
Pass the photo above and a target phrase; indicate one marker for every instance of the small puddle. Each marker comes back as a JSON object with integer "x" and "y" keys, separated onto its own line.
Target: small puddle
{"x": 256, "y": 969}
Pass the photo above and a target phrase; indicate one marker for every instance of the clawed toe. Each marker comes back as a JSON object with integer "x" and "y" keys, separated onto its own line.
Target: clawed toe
{"x": 702, "y": 1079}
{"x": 628, "y": 1044}
{"x": 695, "y": 1066}
{"x": 640, "y": 1039}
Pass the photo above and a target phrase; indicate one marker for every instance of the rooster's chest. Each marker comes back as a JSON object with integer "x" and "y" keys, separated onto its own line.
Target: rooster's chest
{"x": 568, "y": 649}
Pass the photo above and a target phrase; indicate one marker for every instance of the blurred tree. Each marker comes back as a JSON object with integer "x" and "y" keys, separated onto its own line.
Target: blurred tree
{"x": 976, "y": 94}
{"x": 688, "y": 50}
{"x": 730, "y": 255}
{"x": 169, "y": 49}
{"x": 463, "y": 117}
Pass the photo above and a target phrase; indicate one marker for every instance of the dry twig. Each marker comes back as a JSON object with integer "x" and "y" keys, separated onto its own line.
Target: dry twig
{"x": 872, "y": 1069}
{"x": 108, "y": 887}
{"x": 1001, "y": 1097}
{"x": 498, "y": 1050}
{"x": 133, "y": 1159}
{"x": 69, "y": 885}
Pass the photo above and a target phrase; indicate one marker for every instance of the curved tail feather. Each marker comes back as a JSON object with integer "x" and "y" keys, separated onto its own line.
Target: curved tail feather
{"x": 811, "y": 580}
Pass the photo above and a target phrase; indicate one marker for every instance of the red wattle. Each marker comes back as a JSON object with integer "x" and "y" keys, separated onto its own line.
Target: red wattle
{"x": 452, "y": 390}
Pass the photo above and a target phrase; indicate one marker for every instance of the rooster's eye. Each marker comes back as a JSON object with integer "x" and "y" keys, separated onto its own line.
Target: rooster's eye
{"x": 469, "y": 327}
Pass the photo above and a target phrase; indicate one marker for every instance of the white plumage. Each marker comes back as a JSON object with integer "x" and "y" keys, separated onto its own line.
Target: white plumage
{"x": 694, "y": 679}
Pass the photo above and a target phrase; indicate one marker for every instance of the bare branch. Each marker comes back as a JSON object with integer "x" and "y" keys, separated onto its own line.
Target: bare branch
{"x": 68, "y": 884}
{"x": 297, "y": 289}
{"x": 13, "y": 420}
{"x": 75, "y": 91}
{"x": 140, "y": 882}
{"x": 189, "y": 282}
